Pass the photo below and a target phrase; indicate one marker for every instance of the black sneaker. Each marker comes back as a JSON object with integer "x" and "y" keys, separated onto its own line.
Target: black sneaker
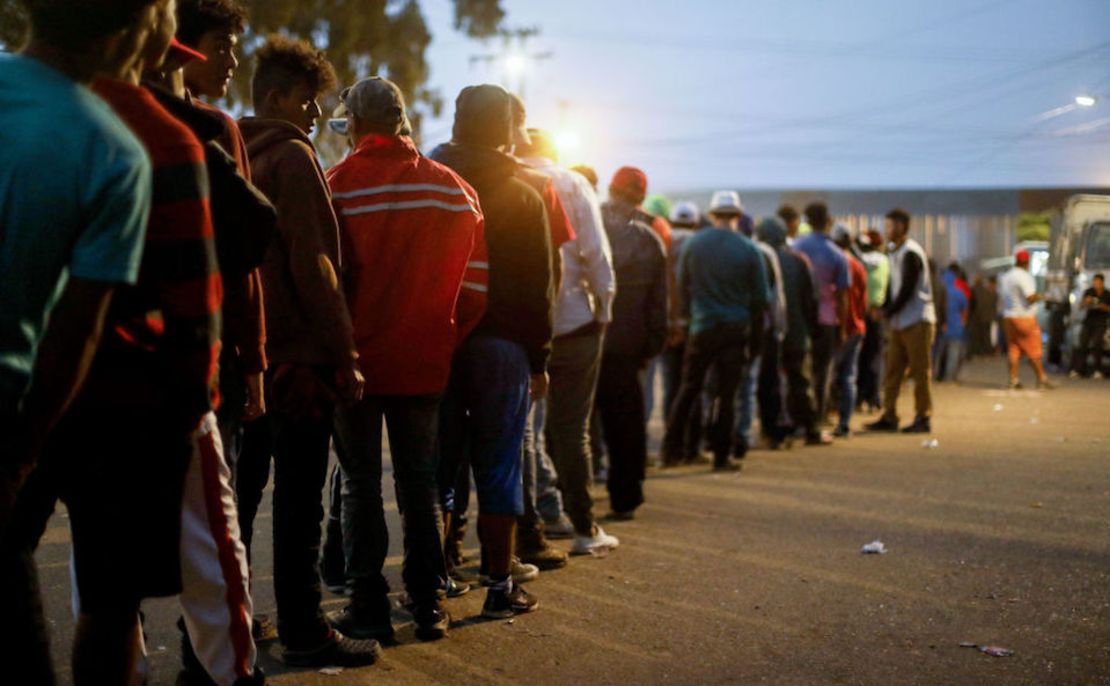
{"x": 372, "y": 621}
{"x": 431, "y": 620}
{"x": 842, "y": 431}
{"x": 728, "y": 466}
{"x": 337, "y": 651}
{"x": 921, "y": 425}
{"x": 503, "y": 603}
{"x": 456, "y": 588}
{"x": 883, "y": 424}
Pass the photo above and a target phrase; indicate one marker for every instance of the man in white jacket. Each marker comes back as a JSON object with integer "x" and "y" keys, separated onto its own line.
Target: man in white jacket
{"x": 583, "y": 308}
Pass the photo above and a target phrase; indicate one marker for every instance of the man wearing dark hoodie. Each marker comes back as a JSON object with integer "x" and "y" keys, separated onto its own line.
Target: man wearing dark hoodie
{"x": 637, "y": 334}
{"x": 801, "y": 321}
{"x": 487, "y": 399}
{"x": 309, "y": 342}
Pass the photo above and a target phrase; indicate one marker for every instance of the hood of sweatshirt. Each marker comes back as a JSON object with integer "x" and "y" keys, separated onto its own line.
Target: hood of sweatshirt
{"x": 261, "y": 134}
{"x": 480, "y": 166}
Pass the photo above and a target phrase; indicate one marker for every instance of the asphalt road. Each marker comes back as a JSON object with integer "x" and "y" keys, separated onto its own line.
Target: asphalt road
{"x": 999, "y": 535}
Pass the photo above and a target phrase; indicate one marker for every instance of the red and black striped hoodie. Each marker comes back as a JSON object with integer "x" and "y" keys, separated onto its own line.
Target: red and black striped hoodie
{"x": 169, "y": 321}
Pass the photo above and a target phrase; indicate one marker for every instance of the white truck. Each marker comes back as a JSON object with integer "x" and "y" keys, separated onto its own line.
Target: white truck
{"x": 1079, "y": 248}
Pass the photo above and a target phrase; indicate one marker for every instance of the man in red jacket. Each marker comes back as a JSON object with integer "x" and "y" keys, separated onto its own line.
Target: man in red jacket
{"x": 416, "y": 280}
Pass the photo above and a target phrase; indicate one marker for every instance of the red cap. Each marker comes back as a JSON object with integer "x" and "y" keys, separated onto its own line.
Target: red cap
{"x": 1021, "y": 257}
{"x": 630, "y": 181}
{"x": 184, "y": 53}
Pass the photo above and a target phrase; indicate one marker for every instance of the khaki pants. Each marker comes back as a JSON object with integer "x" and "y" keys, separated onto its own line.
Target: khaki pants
{"x": 909, "y": 352}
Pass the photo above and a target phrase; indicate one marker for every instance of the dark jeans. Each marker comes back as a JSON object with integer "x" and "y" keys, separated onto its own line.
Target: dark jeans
{"x": 869, "y": 381}
{"x": 574, "y": 369}
{"x": 301, "y": 439}
{"x": 620, "y": 402}
{"x": 24, "y": 634}
{"x": 799, "y": 403}
{"x": 726, "y": 349}
{"x": 483, "y": 415}
{"x": 847, "y": 369}
{"x": 769, "y": 390}
{"x": 252, "y": 471}
{"x": 229, "y": 415}
{"x": 1091, "y": 338}
{"x": 824, "y": 357}
{"x": 412, "y": 424}
{"x": 530, "y": 522}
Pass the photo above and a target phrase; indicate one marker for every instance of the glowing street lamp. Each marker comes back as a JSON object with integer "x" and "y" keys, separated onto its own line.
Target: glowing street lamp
{"x": 515, "y": 64}
{"x": 568, "y": 143}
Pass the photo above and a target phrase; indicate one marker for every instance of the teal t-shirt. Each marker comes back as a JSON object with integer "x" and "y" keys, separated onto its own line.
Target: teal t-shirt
{"x": 75, "y": 190}
{"x": 724, "y": 278}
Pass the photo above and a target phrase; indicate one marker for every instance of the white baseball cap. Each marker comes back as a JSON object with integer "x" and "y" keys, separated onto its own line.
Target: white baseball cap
{"x": 726, "y": 202}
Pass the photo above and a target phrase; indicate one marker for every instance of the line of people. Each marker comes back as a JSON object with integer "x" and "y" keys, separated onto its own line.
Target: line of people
{"x": 194, "y": 302}
{"x": 806, "y": 327}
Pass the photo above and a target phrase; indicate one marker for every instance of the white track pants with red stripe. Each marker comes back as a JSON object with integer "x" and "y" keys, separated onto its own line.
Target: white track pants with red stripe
{"x": 215, "y": 599}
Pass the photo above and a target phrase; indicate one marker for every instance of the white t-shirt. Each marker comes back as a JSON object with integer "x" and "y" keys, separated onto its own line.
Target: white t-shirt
{"x": 1016, "y": 286}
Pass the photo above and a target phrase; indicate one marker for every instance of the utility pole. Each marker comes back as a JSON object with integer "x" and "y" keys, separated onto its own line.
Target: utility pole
{"x": 513, "y": 58}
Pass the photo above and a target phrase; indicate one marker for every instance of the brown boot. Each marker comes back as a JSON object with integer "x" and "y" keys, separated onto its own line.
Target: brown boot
{"x": 532, "y": 548}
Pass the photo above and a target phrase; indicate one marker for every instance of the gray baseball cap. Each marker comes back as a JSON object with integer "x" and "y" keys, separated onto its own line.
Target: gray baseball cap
{"x": 377, "y": 101}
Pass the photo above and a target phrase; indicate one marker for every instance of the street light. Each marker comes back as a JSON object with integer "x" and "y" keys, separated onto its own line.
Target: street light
{"x": 1086, "y": 100}
{"x": 568, "y": 143}
{"x": 515, "y": 64}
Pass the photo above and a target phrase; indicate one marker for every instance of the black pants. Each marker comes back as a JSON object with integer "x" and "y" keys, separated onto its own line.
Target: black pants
{"x": 673, "y": 358}
{"x": 412, "y": 423}
{"x": 799, "y": 404}
{"x": 769, "y": 390}
{"x": 1091, "y": 340}
{"x": 301, "y": 410}
{"x": 870, "y": 359}
{"x": 824, "y": 355}
{"x": 726, "y": 348}
{"x": 620, "y": 401}
{"x": 252, "y": 472}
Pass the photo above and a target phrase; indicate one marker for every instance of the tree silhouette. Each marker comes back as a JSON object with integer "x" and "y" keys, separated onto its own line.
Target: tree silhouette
{"x": 362, "y": 37}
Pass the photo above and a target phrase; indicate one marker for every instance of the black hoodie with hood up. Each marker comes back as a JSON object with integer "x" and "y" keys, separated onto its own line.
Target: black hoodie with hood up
{"x": 521, "y": 290}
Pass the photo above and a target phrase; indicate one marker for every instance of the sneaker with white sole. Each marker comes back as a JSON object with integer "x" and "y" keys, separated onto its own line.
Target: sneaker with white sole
{"x": 521, "y": 572}
{"x": 592, "y": 545}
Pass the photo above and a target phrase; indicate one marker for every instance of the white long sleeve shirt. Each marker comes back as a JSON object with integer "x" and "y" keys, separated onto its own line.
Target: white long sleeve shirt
{"x": 589, "y": 284}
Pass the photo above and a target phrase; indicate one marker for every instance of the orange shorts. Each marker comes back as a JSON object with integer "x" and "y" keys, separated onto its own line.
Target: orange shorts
{"x": 1023, "y": 336}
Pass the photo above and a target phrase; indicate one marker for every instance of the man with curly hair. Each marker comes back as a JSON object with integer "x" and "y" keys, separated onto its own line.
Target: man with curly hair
{"x": 212, "y": 28}
{"x": 310, "y": 339}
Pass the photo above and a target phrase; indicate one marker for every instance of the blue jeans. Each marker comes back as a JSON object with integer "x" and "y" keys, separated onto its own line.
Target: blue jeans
{"x": 549, "y": 501}
{"x": 483, "y": 414}
{"x": 953, "y": 355}
{"x": 745, "y": 403}
{"x": 847, "y": 367}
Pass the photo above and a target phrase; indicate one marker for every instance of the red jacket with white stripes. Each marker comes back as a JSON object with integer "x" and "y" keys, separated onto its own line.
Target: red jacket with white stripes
{"x": 416, "y": 270}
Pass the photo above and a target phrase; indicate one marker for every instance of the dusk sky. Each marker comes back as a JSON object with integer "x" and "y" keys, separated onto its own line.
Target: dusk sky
{"x": 809, "y": 94}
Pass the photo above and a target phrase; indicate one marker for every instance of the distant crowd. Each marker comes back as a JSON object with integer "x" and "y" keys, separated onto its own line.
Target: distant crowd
{"x": 193, "y": 302}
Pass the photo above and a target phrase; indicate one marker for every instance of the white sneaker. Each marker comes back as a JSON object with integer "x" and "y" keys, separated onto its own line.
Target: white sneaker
{"x": 1073, "y": 374}
{"x": 600, "y": 542}
{"x": 1096, "y": 375}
